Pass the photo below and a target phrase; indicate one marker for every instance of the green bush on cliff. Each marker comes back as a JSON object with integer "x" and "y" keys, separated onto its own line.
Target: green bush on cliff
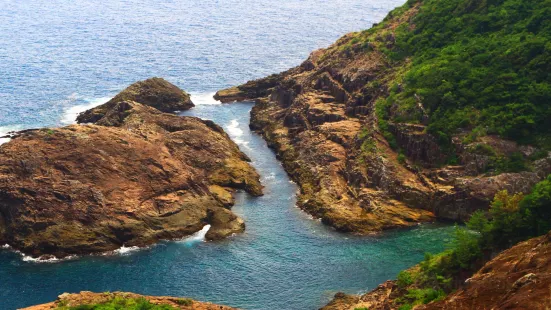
{"x": 514, "y": 218}
{"x": 120, "y": 303}
{"x": 476, "y": 65}
{"x": 511, "y": 218}
{"x": 404, "y": 279}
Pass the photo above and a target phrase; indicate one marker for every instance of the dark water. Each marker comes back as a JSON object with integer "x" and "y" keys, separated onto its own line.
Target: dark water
{"x": 57, "y": 57}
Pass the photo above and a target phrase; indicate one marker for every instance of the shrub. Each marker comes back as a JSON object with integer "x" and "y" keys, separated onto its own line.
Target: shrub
{"x": 184, "y": 301}
{"x": 121, "y": 303}
{"x": 404, "y": 279}
{"x": 466, "y": 247}
{"x": 402, "y": 158}
{"x": 536, "y": 209}
{"x": 424, "y": 296}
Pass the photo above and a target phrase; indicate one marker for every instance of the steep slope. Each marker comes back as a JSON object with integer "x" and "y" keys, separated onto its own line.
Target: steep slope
{"x": 518, "y": 278}
{"x": 135, "y": 177}
{"x": 370, "y": 144}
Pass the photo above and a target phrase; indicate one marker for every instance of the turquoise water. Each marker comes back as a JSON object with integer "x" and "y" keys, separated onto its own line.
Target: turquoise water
{"x": 58, "y": 58}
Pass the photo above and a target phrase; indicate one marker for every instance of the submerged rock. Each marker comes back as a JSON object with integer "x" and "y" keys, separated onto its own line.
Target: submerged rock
{"x": 89, "y": 298}
{"x": 135, "y": 177}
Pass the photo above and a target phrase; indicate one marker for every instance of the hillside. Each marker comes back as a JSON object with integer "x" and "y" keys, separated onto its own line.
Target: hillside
{"x": 426, "y": 115}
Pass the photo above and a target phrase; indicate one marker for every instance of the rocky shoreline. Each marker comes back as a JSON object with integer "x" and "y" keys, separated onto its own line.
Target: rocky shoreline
{"x": 66, "y": 300}
{"x": 321, "y": 120}
{"x": 517, "y": 278}
{"x": 135, "y": 176}
{"x": 367, "y": 162}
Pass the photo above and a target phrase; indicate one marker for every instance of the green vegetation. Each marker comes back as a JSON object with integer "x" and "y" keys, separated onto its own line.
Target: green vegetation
{"x": 514, "y": 218}
{"x": 480, "y": 66}
{"x": 515, "y": 162}
{"x": 382, "y": 111}
{"x": 511, "y": 219}
{"x": 402, "y": 158}
{"x": 120, "y": 303}
{"x": 184, "y": 302}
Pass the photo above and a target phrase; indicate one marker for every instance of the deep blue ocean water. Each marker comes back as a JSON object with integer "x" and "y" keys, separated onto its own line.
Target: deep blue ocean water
{"x": 59, "y": 57}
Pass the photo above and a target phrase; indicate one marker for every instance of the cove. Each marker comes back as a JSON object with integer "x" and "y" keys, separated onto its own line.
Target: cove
{"x": 284, "y": 260}
{"x": 61, "y": 57}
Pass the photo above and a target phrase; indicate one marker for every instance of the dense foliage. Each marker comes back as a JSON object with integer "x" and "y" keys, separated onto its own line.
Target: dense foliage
{"x": 478, "y": 65}
{"x": 512, "y": 218}
{"x": 120, "y": 303}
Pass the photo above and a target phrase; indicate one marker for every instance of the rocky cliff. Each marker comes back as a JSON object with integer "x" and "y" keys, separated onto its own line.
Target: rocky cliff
{"x": 83, "y": 299}
{"x": 518, "y": 278}
{"x": 360, "y": 171}
{"x": 135, "y": 177}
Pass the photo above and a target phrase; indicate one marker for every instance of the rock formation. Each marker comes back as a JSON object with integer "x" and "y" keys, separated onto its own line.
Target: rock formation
{"x": 320, "y": 118}
{"x": 518, "y": 278}
{"x": 154, "y": 92}
{"x": 135, "y": 177}
{"x": 89, "y": 298}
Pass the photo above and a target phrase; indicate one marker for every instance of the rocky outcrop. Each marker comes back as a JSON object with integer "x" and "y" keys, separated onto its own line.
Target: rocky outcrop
{"x": 518, "y": 278}
{"x": 355, "y": 174}
{"x": 135, "y": 177}
{"x": 154, "y": 92}
{"x": 89, "y": 298}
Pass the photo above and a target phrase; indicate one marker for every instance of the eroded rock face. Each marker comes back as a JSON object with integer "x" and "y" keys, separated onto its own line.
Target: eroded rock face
{"x": 90, "y": 298}
{"x": 320, "y": 119}
{"x": 154, "y": 92}
{"x": 135, "y": 177}
{"x": 518, "y": 278}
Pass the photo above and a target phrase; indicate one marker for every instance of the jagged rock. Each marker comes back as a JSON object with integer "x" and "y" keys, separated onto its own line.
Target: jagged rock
{"x": 154, "y": 92}
{"x": 320, "y": 118}
{"x": 518, "y": 278}
{"x": 135, "y": 177}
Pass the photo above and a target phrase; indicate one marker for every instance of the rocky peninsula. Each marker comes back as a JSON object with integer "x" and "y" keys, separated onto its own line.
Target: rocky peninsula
{"x": 132, "y": 175}
{"x": 124, "y": 300}
{"x": 363, "y": 166}
{"x": 436, "y": 113}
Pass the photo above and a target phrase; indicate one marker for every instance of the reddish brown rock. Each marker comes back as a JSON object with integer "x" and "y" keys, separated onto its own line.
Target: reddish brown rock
{"x": 154, "y": 92}
{"x": 320, "y": 119}
{"x": 135, "y": 177}
{"x": 89, "y": 298}
{"x": 518, "y": 278}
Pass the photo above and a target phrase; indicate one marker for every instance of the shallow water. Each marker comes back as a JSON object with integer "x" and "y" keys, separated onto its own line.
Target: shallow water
{"x": 58, "y": 58}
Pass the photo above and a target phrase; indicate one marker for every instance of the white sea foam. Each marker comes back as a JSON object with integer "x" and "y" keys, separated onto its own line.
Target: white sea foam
{"x": 236, "y": 133}
{"x": 197, "y": 236}
{"x": 124, "y": 250}
{"x": 70, "y": 114}
{"x": 204, "y": 98}
{"x": 234, "y": 130}
{"x": 45, "y": 259}
{"x": 40, "y": 259}
{"x": 5, "y": 130}
{"x": 271, "y": 176}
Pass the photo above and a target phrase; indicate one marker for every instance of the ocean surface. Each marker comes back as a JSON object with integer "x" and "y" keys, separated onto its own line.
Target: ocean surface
{"x": 59, "y": 57}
